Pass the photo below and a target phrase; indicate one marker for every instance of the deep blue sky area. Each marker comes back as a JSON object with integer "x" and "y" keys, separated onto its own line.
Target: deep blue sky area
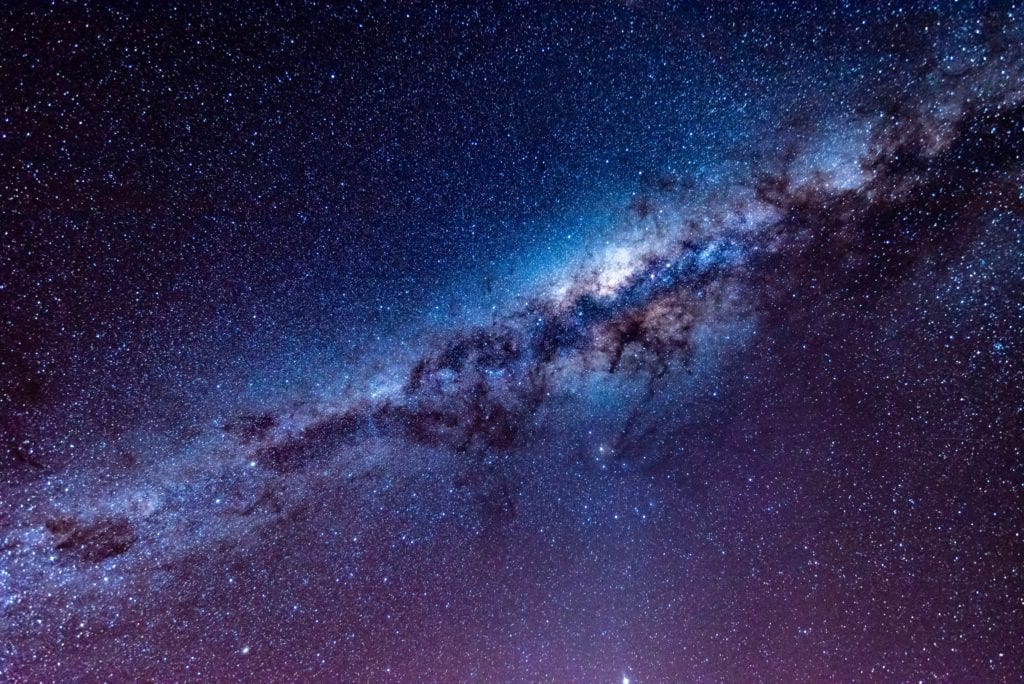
{"x": 191, "y": 187}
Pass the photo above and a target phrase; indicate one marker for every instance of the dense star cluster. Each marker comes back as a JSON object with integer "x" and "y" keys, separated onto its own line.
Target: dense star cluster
{"x": 626, "y": 342}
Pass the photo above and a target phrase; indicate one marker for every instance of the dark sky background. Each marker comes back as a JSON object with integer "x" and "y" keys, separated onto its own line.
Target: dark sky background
{"x": 511, "y": 342}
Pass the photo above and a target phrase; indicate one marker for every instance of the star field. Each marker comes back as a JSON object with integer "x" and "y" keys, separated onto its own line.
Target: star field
{"x": 634, "y": 341}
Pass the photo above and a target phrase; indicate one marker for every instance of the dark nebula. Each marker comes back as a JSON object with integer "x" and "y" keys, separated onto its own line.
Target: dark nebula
{"x": 626, "y": 342}
{"x": 91, "y": 541}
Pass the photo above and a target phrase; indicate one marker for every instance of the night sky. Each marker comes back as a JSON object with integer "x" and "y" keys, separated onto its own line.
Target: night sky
{"x": 513, "y": 342}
